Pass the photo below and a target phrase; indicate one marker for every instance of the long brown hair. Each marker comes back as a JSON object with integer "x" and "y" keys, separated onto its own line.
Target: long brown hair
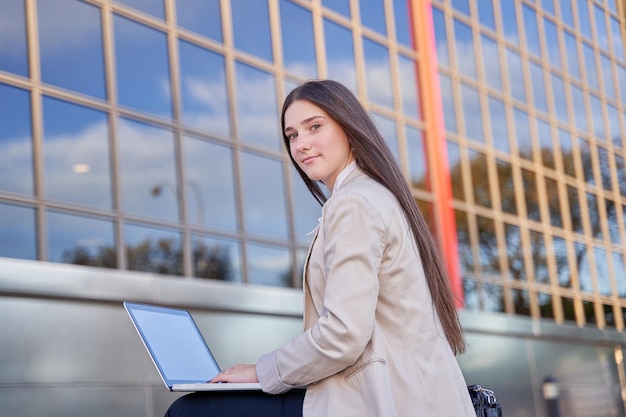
{"x": 374, "y": 157}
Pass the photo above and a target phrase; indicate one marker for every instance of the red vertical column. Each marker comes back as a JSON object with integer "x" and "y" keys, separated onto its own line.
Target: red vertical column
{"x": 423, "y": 36}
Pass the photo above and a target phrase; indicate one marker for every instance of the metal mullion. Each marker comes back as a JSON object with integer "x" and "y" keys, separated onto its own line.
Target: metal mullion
{"x": 229, "y": 63}
{"x": 359, "y": 58}
{"x": 181, "y": 189}
{"x": 111, "y": 83}
{"x": 34, "y": 65}
{"x": 319, "y": 39}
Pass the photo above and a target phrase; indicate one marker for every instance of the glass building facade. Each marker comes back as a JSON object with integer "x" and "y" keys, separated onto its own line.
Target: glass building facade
{"x": 140, "y": 142}
{"x": 144, "y": 135}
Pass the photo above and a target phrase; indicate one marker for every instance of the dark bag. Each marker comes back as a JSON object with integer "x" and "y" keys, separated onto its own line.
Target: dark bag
{"x": 484, "y": 401}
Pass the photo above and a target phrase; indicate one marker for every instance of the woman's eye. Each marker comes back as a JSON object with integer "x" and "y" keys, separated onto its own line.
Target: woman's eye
{"x": 292, "y": 136}
{"x": 315, "y": 127}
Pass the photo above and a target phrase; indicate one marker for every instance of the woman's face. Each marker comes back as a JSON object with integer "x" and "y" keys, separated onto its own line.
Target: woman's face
{"x": 317, "y": 143}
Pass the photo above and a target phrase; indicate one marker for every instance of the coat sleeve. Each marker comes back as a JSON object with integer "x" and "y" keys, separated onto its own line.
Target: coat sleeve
{"x": 353, "y": 245}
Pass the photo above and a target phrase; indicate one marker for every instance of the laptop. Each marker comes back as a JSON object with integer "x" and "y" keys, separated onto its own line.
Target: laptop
{"x": 178, "y": 349}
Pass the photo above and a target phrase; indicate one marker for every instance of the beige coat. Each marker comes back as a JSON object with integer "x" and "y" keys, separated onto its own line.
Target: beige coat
{"x": 372, "y": 345}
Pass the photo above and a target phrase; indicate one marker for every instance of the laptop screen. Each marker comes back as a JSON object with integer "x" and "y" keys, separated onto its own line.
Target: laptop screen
{"x": 174, "y": 342}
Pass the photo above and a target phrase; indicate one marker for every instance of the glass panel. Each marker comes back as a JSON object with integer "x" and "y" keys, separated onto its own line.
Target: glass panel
{"x": 554, "y": 204}
{"x": 602, "y": 37}
{"x": 619, "y": 266}
{"x": 203, "y": 208}
{"x": 340, "y": 55}
{"x": 569, "y": 311}
{"x": 590, "y": 314}
{"x": 441, "y": 37}
{"x": 544, "y": 137}
{"x": 590, "y": 66}
{"x": 464, "y": 49}
{"x": 387, "y": 128}
{"x": 571, "y": 53}
{"x": 402, "y": 14}
{"x": 530, "y": 28}
{"x": 565, "y": 140}
{"x": 147, "y": 170}
{"x": 509, "y": 21}
{"x": 76, "y": 154}
{"x": 81, "y": 240}
{"x": 620, "y": 167}
{"x": 613, "y": 127}
{"x": 150, "y": 249}
{"x": 17, "y": 228}
{"x": 491, "y": 63}
{"x": 522, "y": 133}
{"x": 377, "y": 74}
{"x": 71, "y": 53}
{"x": 297, "y": 37}
{"x": 257, "y": 118}
{"x": 16, "y": 147}
{"x": 540, "y": 257}
{"x": 466, "y": 250}
{"x": 574, "y": 210}
{"x": 461, "y": 6}
{"x": 268, "y": 265}
{"x": 493, "y": 298}
{"x": 251, "y": 27}
{"x": 610, "y": 89}
{"x": 264, "y": 196}
{"x": 612, "y": 221}
{"x": 552, "y": 42}
{"x": 539, "y": 87}
{"x": 373, "y": 15}
{"x": 154, "y": 7}
{"x": 499, "y": 130}
{"x": 340, "y": 6}
{"x": 507, "y": 187}
{"x": 306, "y": 209}
{"x": 578, "y": 102}
{"x": 532, "y": 197}
{"x": 488, "y": 250}
{"x": 558, "y": 95}
{"x": 583, "y": 19}
{"x": 516, "y": 75}
{"x": 216, "y": 258}
{"x": 143, "y": 80}
{"x": 418, "y": 163}
{"x": 604, "y": 159}
{"x": 587, "y": 161}
{"x": 201, "y": 16}
{"x": 408, "y": 86}
{"x": 480, "y": 178}
{"x": 548, "y": 6}
{"x": 456, "y": 171}
{"x": 566, "y": 12}
{"x": 472, "y": 114}
{"x": 13, "y": 48}
{"x": 515, "y": 252}
{"x": 203, "y": 89}
{"x": 582, "y": 262}
{"x": 470, "y": 290}
{"x": 594, "y": 216}
{"x": 521, "y": 302}
{"x": 561, "y": 260}
{"x": 485, "y": 14}
{"x": 617, "y": 40}
{"x": 546, "y": 309}
{"x": 609, "y": 315}
{"x": 447, "y": 99}
{"x": 596, "y": 116}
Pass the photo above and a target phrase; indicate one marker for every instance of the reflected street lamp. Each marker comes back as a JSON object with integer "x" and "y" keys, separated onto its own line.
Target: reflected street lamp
{"x": 157, "y": 189}
{"x": 550, "y": 389}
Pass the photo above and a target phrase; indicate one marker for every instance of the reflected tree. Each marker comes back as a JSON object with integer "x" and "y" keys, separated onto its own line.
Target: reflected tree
{"x": 163, "y": 256}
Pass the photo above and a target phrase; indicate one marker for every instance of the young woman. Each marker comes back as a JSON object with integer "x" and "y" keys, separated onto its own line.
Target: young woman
{"x": 380, "y": 327}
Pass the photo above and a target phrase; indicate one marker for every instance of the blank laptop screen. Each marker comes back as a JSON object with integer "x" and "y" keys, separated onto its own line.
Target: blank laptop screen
{"x": 175, "y": 343}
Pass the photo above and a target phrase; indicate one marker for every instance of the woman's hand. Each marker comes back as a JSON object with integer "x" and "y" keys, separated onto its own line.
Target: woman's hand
{"x": 237, "y": 373}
